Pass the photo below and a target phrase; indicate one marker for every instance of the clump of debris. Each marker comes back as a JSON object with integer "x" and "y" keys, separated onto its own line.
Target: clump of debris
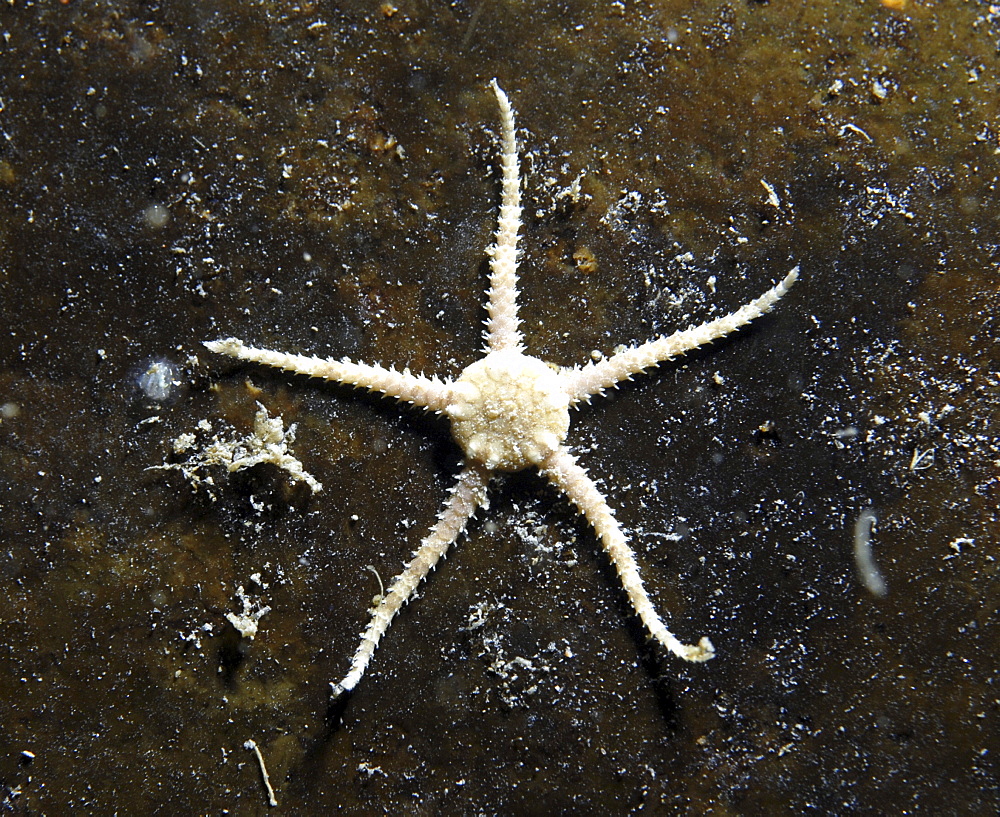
{"x": 247, "y": 621}
{"x": 268, "y": 443}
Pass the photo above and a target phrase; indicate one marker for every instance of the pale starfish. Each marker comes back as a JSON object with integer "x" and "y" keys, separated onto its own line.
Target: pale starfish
{"x": 509, "y": 411}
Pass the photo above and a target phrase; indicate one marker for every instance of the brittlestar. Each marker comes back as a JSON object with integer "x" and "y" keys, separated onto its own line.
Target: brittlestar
{"x": 510, "y": 411}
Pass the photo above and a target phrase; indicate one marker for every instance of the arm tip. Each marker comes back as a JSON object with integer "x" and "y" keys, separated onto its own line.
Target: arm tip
{"x": 228, "y": 346}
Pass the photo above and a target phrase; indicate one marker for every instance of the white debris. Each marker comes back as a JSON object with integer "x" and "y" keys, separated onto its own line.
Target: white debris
{"x": 772, "y": 194}
{"x": 247, "y": 621}
{"x": 268, "y": 443}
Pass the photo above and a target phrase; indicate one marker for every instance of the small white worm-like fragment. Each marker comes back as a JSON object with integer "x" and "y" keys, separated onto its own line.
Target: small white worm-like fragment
{"x": 868, "y": 571}
{"x": 252, "y": 746}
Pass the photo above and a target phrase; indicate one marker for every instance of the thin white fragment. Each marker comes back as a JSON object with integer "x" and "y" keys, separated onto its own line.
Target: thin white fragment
{"x": 381, "y": 587}
{"x": 922, "y": 460}
{"x": 252, "y": 746}
{"x": 868, "y": 571}
{"x": 772, "y": 195}
{"x": 854, "y": 128}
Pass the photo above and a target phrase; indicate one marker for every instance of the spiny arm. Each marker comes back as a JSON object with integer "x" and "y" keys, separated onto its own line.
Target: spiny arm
{"x": 593, "y": 378}
{"x": 502, "y": 324}
{"x": 467, "y": 496}
{"x": 426, "y": 392}
{"x": 563, "y": 471}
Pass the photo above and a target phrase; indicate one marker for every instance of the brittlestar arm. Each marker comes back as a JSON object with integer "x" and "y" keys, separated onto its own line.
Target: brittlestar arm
{"x": 468, "y": 495}
{"x": 426, "y": 392}
{"x": 502, "y": 323}
{"x": 593, "y": 378}
{"x": 563, "y": 471}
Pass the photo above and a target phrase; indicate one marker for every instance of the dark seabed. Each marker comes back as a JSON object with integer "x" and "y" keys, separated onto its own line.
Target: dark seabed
{"x": 323, "y": 178}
